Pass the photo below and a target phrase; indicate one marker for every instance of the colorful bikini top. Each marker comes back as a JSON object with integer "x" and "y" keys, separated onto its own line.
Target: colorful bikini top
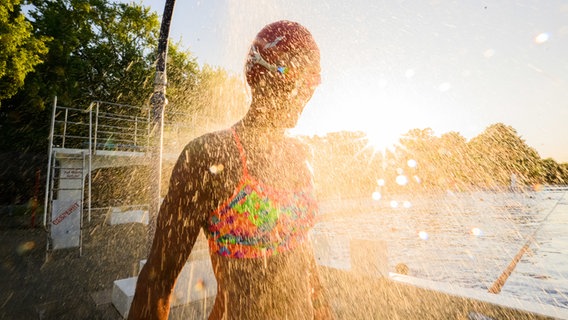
{"x": 259, "y": 221}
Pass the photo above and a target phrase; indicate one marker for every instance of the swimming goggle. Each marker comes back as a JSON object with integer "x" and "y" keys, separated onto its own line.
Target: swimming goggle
{"x": 258, "y": 59}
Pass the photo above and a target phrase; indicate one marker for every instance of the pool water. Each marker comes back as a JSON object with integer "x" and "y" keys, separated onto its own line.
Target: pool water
{"x": 468, "y": 239}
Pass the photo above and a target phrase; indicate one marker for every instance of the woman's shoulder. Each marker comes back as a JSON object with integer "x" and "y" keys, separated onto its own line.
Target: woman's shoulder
{"x": 209, "y": 141}
{"x": 208, "y": 145}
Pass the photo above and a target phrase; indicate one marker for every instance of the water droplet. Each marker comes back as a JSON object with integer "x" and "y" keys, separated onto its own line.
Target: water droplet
{"x": 216, "y": 168}
{"x": 542, "y": 38}
{"x": 381, "y": 182}
{"x": 423, "y": 235}
{"x": 407, "y": 204}
{"x": 401, "y": 180}
{"x": 376, "y": 195}
{"x": 476, "y": 232}
{"x": 411, "y": 163}
{"x": 394, "y": 204}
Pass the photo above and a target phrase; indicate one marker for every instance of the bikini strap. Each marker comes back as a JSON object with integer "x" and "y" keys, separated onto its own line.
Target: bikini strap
{"x": 241, "y": 151}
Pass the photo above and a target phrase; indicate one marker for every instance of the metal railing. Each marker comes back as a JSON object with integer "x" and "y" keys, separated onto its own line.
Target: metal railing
{"x": 116, "y": 127}
{"x": 102, "y": 126}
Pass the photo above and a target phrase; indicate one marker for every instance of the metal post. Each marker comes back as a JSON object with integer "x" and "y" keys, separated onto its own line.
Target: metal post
{"x": 96, "y": 128}
{"x": 65, "y": 127}
{"x": 159, "y": 102}
{"x": 135, "y": 132}
{"x": 90, "y": 157}
{"x": 50, "y": 155}
{"x": 83, "y": 155}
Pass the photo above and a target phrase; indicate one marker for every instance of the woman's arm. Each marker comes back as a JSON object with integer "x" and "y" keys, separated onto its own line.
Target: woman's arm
{"x": 177, "y": 227}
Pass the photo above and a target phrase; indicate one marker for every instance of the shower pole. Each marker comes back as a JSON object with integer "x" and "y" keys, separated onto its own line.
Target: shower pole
{"x": 156, "y": 125}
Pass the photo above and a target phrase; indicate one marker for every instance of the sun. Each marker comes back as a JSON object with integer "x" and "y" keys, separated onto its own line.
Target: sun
{"x": 359, "y": 103}
{"x": 381, "y": 138}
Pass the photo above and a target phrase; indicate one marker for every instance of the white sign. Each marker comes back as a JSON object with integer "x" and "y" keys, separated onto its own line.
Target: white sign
{"x": 71, "y": 173}
{"x": 66, "y": 223}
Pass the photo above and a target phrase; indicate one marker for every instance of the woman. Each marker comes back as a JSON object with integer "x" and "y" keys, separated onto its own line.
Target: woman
{"x": 250, "y": 189}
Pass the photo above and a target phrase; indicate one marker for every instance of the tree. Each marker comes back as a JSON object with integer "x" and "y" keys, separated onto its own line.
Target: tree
{"x": 554, "y": 173}
{"x": 455, "y": 159}
{"x": 343, "y": 165}
{"x": 20, "y": 51}
{"x": 499, "y": 152}
{"x": 98, "y": 51}
{"x": 421, "y": 146}
{"x": 183, "y": 77}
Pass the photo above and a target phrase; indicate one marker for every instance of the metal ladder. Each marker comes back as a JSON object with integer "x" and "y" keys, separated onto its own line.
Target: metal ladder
{"x": 68, "y": 174}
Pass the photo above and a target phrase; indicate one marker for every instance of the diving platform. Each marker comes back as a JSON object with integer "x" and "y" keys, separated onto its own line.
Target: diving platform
{"x": 102, "y": 135}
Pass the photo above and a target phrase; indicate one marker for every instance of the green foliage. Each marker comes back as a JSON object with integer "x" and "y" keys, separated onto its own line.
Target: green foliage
{"x": 499, "y": 152}
{"x": 99, "y": 51}
{"x": 183, "y": 77}
{"x": 20, "y": 51}
{"x": 487, "y": 161}
{"x": 203, "y": 100}
{"x": 344, "y": 167}
{"x": 219, "y": 95}
{"x": 553, "y": 172}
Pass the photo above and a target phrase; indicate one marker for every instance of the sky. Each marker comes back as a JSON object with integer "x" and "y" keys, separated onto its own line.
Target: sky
{"x": 391, "y": 66}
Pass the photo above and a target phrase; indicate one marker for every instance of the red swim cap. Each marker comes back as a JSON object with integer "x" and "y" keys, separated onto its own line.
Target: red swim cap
{"x": 280, "y": 49}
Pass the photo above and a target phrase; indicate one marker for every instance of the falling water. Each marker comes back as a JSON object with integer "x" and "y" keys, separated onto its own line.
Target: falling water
{"x": 387, "y": 68}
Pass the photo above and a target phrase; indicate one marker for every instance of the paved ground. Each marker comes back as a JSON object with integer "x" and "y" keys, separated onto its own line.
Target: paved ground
{"x": 64, "y": 285}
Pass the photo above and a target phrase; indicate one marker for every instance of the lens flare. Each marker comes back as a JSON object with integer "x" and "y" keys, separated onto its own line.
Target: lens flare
{"x": 542, "y": 38}
{"x": 25, "y": 247}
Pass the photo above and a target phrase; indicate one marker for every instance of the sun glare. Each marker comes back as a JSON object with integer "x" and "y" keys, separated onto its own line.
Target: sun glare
{"x": 353, "y": 104}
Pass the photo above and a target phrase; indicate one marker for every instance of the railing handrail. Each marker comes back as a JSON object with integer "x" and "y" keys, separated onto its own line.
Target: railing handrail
{"x": 73, "y": 126}
{"x": 89, "y": 128}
